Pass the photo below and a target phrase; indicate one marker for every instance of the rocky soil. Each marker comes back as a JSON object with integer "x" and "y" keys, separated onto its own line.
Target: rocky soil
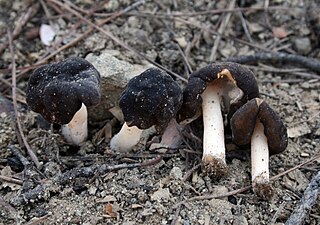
{"x": 91, "y": 184}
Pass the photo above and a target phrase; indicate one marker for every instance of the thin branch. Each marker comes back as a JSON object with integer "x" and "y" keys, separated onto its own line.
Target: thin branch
{"x": 309, "y": 198}
{"x": 14, "y": 98}
{"x": 221, "y": 29}
{"x": 199, "y": 13}
{"x": 279, "y": 57}
{"x": 11, "y": 180}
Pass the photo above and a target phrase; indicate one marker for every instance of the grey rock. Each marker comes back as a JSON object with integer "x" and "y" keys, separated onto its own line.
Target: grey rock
{"x": 115, "y": 75}
{"x": 302, "y": 45}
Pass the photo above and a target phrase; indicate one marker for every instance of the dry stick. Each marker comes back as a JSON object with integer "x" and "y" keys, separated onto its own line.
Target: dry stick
{"x": 11, "y": 180}
{"x": 246, "y": 188}
{"x": 77, "y": 39}
{"x": 14, "y": 98}
{"x": 295, "y": 71}
{"x": 279, "y": 57}
{"x": 221, "y": 29}
{"x": 199, "y": 13}
{"x": 188, "y": 66}
{"x": 21, "y": 24}
{"x": 116, "y": 40}
{"x": 309, "y": 198}
{"x": 278, "y": 212}
{"x": 245, "y": 27}
{"x": 40, "y": 220}
{"x": 47, "y": 13}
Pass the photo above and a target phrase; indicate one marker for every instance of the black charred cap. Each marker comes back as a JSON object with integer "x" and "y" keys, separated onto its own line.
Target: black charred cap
{"x": 57, "y": 90}
{"x": 198, "y": 81}
{"x": 244, "y": 120}
{"x": 152, "y": 98}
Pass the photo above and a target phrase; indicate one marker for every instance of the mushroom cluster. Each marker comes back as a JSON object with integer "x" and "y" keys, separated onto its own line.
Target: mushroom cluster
{"x": 225, "y": 94}
{"x": 216, "y": 90}
{"x": 61, "y": 93}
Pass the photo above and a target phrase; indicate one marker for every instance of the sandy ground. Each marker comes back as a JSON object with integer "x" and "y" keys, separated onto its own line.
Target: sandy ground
{"x": 159, "y": 193}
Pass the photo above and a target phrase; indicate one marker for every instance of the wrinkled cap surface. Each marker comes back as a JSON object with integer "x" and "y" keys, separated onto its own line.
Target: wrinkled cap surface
{"x": 244, "y": 120}
{"x": 198, "y": 81}
{"x": 152, "y": 98}
{"x": 57, "y": 90}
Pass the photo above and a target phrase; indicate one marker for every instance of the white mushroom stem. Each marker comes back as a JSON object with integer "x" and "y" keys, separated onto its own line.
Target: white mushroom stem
{"x": 126, "y": 139}
{"x": 259, "y": 155}
{"x": 171, "y": 136}
{"x": 213, "y": 135}
{"x": 76, "y": 131}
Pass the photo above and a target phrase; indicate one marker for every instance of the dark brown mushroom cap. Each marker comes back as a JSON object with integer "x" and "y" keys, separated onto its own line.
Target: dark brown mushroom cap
{"x": 57, "y": 90}
{"x": 152, "y": 98}
{"x": 243, "y": 78}
{"x": 244, "y": 120}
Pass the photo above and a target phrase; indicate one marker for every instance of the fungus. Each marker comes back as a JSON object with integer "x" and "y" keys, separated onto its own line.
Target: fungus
{"x": 150, "y": 99}
{"x": 257, "y": 123}
{"x": 217, "y": 89}
{"x": 61, "y": 93}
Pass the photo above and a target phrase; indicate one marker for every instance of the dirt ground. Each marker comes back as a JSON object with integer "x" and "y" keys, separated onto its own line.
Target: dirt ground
{"x": 182, "y": 36}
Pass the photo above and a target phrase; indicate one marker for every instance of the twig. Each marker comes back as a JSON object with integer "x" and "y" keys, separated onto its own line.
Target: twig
{"x": 39, "y": 220}
{"x": 221, "y": 29}
{"x": 199, "y": 13}
{"x": 23, "y": 20}
{"x": 116, "y": 40}
{"x": 246, "y": 188}
{"x": 307, "y": 201}
{"x": 278, "y": 212}
{"x": 310, "y": 63}
{"x": 244, "y": 26}
{"x": 11, "y": 180}
{"x": 25, "y": 162}
{"x": 189, "y": 172}
{"x": 176, "y": 215}
{"x": 14, "y": 98}
{"x": 188, "y": 66}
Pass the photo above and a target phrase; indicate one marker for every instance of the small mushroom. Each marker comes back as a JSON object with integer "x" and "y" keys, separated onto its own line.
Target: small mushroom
{"x": 218, "y": 89}
{"x": 150, "y": 99}
{"x": 257, "y": 123}
{"x": 61, "y": 93}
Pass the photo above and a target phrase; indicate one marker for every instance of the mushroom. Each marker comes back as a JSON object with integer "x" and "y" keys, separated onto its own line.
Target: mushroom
{"x": 150, "y": 99}
{"x": 61, "y": 93}
{"x": 257, "y": 123}
{"x": 216, "y": 88}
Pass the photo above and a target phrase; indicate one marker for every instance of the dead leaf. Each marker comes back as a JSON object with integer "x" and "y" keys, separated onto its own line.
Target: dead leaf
{"x": 108, "y": 210}
{"x": 298, "y": 131}
{"x": 279, "y": 32}
{"x": 136, "y": 206}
